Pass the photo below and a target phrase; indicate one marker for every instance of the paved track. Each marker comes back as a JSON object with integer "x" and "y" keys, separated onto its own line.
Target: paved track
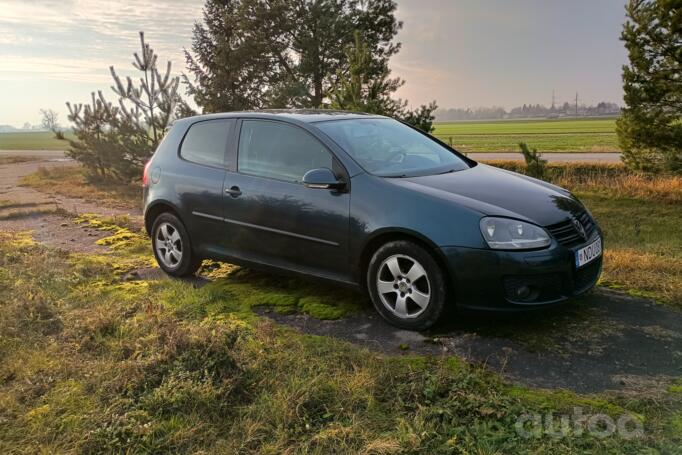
{"x": 42, "y": 154}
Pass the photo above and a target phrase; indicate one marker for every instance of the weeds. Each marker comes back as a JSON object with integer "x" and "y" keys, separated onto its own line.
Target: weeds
{"x": 535, "y": 165}
{"x": 608, "y": 180}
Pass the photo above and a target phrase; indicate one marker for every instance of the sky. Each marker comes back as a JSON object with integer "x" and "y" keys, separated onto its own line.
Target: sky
{"x": 461, "y": 53}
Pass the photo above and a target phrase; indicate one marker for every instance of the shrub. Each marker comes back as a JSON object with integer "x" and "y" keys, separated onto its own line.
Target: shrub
{"x": 535, "y": 165}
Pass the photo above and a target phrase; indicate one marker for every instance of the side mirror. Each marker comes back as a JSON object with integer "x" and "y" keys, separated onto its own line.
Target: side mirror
{"x": 322, "y": 178}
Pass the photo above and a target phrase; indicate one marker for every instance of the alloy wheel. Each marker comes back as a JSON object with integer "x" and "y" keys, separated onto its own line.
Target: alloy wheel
{"x": 403, "y": 286}
{"x": 168, "y": 244}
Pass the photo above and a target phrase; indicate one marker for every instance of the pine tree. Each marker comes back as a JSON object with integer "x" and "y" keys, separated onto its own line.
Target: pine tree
{"x": 366, "y": 88}
{"x": 250, "y": 54}
{"x": 230, "y": 62}
{"x": 650, "y": 126}
{"x": 362, "y": 88}
{"x": 535, "y": 165}
{"x": 117, "y": 140}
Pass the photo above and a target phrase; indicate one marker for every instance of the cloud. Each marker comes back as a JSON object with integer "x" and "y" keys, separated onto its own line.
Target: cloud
{"x": 56, "y": 68}
{"x": 77, "y": 40}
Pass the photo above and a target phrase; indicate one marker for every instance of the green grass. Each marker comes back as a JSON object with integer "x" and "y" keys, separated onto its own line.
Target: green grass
{"x": 590, "y": 135}
{"x": 643, "y": 241}
{"x": 587, "y": 135}
{"x": 34, "y": 140}
{"x": 93, "y": 364}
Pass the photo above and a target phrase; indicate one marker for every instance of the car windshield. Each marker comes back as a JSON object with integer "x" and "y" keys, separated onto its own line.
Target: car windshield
{"x": 388, "y": 148}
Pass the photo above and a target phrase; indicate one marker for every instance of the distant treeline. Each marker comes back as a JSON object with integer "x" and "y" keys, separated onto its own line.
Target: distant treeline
{"x": 527, "y": 111}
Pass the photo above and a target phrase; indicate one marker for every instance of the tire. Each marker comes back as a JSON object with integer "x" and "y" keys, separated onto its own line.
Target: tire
{"x": 172, "y": 247}
{"x": 407, "y": 297}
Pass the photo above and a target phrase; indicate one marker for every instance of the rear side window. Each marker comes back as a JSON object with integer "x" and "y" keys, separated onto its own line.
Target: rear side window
{"x": 206, "y": 142}
{"x": 279, "y": 151}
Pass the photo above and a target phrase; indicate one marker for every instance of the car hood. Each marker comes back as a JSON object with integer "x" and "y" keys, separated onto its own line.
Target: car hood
{"x": 493, "y": 191}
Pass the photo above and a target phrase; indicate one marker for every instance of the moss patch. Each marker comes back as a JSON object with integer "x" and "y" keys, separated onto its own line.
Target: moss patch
{"x": 251, "y": 289}
{"x": 124, "y": 236}
{"x": 18, "y": 240}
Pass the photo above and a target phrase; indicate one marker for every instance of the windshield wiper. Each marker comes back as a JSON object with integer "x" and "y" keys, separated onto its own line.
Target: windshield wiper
{"x": 447, "y": 172}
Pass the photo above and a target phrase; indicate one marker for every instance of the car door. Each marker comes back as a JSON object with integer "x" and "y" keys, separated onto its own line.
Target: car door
{"x": 199, "y": 183}
{"x": 271, "y": 216}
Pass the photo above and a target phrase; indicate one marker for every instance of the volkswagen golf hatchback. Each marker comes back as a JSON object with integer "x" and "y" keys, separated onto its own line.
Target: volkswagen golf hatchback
{"x": 370, "y": 202}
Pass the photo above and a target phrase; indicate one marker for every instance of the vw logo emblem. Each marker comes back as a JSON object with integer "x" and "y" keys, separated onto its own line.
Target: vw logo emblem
{"x": 579, "y": 228}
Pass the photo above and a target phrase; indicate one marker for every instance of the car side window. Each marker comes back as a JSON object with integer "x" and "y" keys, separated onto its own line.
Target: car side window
{"x": 279, "y": 151}
{"x": 206, "y": 142}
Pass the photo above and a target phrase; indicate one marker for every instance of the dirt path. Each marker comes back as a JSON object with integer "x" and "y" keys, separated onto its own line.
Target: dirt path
{"x": 603, "y": 341}
{"x": 39, "y": 154}
{"x": 48, "y": 215}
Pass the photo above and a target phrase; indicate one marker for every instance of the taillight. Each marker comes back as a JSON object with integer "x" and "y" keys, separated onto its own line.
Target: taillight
{"x": 145, "y": 174}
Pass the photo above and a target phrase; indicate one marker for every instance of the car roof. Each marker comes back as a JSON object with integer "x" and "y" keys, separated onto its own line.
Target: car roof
{"x": 301, "y": 115}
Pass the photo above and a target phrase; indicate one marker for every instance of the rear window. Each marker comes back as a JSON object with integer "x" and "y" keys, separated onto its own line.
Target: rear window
{"x": 206, "y": 142}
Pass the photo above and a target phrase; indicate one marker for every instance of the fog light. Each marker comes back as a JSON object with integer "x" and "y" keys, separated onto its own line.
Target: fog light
{"x": 523, "y": 292}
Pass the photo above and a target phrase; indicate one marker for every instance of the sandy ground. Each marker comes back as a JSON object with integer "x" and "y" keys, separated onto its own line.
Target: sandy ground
{"x": 48, "y": 215}
{"x": 603, "y": 341}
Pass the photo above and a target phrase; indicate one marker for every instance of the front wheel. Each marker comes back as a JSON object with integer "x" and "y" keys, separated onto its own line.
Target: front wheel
{"x": 406, "y": 285}
{"x": 172, "y": 247}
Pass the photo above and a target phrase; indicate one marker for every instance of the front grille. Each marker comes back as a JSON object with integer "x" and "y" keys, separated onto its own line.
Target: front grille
{"x": 566, "y": 234}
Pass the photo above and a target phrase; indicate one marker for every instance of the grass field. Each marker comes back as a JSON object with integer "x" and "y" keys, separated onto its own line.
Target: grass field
{"x": 34, "y": 140}
{"x": 589, "y": 135}
{"x": 91, "y": 363}
{"x": 584, "y": 135}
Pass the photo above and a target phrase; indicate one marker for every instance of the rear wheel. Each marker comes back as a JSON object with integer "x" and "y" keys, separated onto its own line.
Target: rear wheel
{"x": 406, "y": 285}
{"x": 172, "y": 247}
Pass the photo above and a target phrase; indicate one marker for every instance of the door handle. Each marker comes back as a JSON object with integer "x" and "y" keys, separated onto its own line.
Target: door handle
{"x": 233, "y": 191}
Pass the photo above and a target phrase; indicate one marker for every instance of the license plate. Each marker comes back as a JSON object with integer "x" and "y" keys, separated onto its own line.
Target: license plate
{"x": 587, "y": 254}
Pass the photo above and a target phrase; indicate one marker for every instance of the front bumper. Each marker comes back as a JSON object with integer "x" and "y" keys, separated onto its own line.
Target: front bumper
{"x": 491, "y": 280}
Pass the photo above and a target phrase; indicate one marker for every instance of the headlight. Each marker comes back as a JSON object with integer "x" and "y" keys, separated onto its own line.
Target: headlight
{"x": 508, "y": 234}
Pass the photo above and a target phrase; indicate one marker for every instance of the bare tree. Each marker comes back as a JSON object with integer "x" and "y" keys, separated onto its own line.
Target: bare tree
{"x": 50, "y": 122}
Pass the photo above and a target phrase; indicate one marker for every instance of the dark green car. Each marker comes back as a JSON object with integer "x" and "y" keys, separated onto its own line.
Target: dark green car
{"x": 369, "y": 202}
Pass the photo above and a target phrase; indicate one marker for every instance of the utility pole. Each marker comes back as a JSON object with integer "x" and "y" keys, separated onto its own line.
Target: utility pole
{"x": 576, "y": 104}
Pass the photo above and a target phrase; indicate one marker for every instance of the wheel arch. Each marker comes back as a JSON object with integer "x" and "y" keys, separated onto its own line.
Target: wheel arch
{"x": 157, "y": 208}
{"x": 385, "y": 236}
